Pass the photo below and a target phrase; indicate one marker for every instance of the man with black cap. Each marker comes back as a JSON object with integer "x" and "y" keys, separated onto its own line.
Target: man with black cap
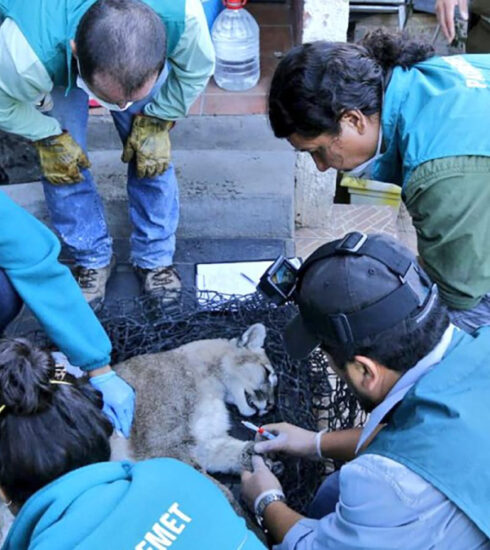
{"x": 418, "y": 474}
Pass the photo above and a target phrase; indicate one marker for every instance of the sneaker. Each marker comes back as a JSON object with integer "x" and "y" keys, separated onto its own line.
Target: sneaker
{"x": 160, "y": 280}
{"x": 92, "y": 281}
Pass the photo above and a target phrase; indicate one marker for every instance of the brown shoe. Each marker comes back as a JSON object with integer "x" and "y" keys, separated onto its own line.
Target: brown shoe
{"x": 160, "y": 280}
{"x": 93, "y": 281}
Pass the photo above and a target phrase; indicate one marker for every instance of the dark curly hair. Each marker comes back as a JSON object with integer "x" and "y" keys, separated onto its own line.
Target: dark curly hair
{"x": 316, "y": 83}
{"x": 46, "y": 429}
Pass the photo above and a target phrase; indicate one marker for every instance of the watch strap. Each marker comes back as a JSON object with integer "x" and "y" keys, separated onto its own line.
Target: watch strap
{"x": 263, "y": 500}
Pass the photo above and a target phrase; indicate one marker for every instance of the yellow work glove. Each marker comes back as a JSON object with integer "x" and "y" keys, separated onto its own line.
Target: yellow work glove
{"x": 61, "y": 159}
{"x": 149, "y": 142}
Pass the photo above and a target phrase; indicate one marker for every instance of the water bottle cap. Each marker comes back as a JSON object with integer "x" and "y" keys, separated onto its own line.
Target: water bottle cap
{"x": 234, "y": 4}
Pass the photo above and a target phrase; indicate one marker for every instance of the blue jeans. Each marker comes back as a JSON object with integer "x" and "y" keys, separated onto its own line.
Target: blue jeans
{"x": 77, "y": 212}
{"x": 10, "y": 301}
{"x": 326, "y": 498}
{"x": 471, "y": 319}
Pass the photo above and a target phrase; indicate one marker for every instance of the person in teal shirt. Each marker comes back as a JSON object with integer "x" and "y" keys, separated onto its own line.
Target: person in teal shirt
{"x": 388, "y": 110}
{"x": 30, "y": 273}
{"x": 147, "y": 62}
{"x": 54, "y": 474}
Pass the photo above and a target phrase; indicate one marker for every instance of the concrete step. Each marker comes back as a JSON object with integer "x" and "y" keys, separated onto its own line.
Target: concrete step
{"x": 236, "y": 183}
{"x": 223, "y": 194}
{"x": 239, "y": 132}
{"x": 244, "y": 133}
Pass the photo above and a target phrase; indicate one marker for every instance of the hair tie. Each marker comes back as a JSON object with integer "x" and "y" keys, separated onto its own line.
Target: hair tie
{"x": 60, "y": 382}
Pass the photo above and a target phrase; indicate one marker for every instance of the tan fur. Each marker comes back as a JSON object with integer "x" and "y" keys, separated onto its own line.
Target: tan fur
{"x": 181, "y": 394}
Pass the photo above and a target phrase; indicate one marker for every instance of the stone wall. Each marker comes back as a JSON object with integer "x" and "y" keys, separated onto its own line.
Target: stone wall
{"x": 314, "y": 191}
{"x": 325, "y": 20}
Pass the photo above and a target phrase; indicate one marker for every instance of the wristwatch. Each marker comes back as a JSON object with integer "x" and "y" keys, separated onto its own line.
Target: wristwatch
{"x": 274, "y": 495}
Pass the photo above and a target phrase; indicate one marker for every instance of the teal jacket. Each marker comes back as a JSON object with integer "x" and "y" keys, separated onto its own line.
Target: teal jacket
{"x": 435, "y": 109}
{"x": 29, "y": 256}
{"x": 35, "y": 55}
{"x": 149, "y": 505}
{"x": 440, "y": 429}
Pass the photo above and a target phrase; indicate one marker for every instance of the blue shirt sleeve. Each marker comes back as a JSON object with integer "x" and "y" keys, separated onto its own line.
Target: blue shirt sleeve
{"x": 385, "y": 506}
{"x": 29, "y": 256}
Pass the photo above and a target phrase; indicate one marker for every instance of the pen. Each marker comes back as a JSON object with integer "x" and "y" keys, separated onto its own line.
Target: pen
{"x": 258, "y": 429}
{"x": 247, "y": 278}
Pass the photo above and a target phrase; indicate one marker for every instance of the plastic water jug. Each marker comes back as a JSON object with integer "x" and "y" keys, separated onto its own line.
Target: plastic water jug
{"x": 235, "y": 36}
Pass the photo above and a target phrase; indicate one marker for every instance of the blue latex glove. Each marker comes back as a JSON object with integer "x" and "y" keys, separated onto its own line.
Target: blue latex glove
{"x": 118, "y": 398}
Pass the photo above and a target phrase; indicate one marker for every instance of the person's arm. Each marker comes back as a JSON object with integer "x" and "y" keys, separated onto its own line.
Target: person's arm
{"x": 29, "y": 255}
{"x": 381, "y": 502}
{"x": 279, "y": 519}
{"x": 23, "y": 82}
{"x": 445, "y": 15}
{"x": 296, "y": 441}
{"x": 20, "y": 117}
{"x": 191, "y": 64}
{"x": 340, "y": 444}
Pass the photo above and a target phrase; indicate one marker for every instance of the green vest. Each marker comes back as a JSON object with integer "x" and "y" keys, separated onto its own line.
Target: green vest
{"x": 49, "y": 25}
{"x": 441, "y": 428}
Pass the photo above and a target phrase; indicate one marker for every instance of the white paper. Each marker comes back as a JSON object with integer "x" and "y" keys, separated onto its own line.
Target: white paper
{"x": 230, "y": 278}
{"x": 233, "y": 277}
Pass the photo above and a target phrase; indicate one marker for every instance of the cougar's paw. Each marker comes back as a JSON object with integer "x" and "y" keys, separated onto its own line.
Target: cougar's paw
{"x": 275, "y": 466}
{"x": 246, "y": 456}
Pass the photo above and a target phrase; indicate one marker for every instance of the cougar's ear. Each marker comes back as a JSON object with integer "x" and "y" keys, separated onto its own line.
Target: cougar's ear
{"x": 253, "y": 337}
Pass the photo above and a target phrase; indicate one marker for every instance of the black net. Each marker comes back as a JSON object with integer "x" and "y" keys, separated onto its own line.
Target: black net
{"x": 308, "y": 393}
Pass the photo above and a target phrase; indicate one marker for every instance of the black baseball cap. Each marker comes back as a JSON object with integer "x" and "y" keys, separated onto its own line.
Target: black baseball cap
{"x": 351, "y": 289}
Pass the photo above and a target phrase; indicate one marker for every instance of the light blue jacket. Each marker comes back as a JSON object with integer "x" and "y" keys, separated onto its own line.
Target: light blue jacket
{"x": 438, "y": 108}
{"x": 29, "y": 256}
{"x": 150, "y": 505}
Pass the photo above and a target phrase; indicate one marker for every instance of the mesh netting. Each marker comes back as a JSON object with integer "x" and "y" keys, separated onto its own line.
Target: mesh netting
{"x": 308, "y": 393}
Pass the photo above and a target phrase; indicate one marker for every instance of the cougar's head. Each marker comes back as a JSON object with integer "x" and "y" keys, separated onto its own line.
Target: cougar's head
{"x": 249, "y": 377}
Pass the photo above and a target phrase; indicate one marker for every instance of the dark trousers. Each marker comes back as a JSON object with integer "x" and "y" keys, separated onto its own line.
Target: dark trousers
{"x": 10, "y": 301}
{"x": 326, "y": 498}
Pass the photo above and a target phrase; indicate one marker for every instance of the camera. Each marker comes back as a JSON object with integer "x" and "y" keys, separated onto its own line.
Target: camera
{"x": 278, "y": 283}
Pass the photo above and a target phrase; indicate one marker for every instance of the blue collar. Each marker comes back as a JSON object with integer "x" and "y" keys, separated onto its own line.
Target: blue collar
{"x": 405, "y": 383}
